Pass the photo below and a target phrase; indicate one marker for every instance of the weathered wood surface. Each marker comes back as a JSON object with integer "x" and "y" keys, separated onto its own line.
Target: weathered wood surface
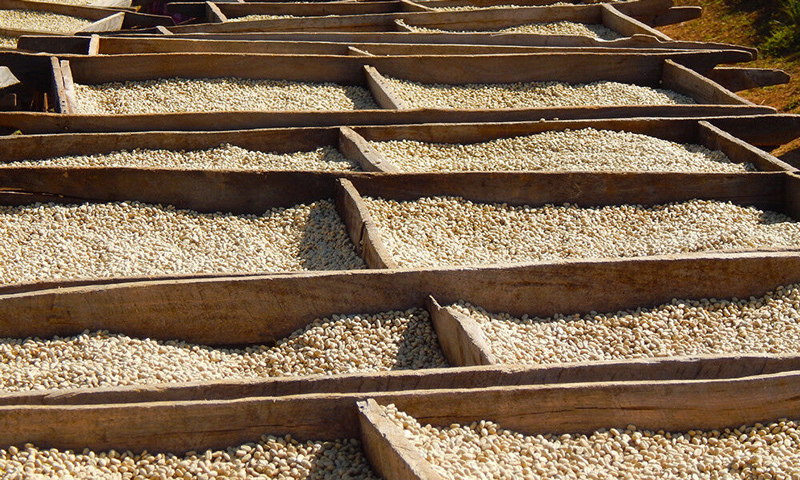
{"x": 111, "y": 45}
{"x": 57, "y": 88}
{"x": 685, "y": 80}
{"x": 675, "y": 15}
{"x": 388, "y": 450}
{"x": 353, "y": 144}
{"x": 382, "y": 92}
{"x": 7, "y": 79}
{"x": 623, "y": 24}
{"x": 108, "y": 24}
{"x": 676, "y": 405}
{"x": 641, "y": 69}
{"x": 737, "y": 79}
{"x": 80, "y": 11}
{"x": 69, "y": 105}
{"x": 360, "y": 227}
{"x": 666, "y": 368}
{"x": 463, "y": 342}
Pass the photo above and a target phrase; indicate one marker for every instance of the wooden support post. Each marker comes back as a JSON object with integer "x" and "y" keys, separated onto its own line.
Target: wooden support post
{"x": 94, "y": 45}
{"x": 684, "y": 80}
{"x": 737, "y": 79}
{"x": 362, "y": 230}
{"x": 739, "y": 151}
{"x": 461, "y": 338}
{"x": 384, "y": 96}
{"x": 57, "y": 87}
{"x": 69, "y": 89}
{"x": 388, "y": 450}
{"x": 355, "y": 147}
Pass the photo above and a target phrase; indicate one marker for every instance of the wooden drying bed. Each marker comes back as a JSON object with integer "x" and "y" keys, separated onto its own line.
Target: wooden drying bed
{"x": 157, "y": 309}
{"x": 672, "y": 405}
{"x": 397, "y": 16}
{"x": 352, "y": 142}
{"x": 673, "y": 71}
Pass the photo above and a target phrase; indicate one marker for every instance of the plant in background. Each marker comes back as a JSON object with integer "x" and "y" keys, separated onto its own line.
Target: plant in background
{"x": 785, "y": 33}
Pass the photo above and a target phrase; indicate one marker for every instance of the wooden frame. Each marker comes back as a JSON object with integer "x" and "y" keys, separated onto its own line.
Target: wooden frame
{"x": 671, "y": 405}
{"x": 103, "y": 19}
{"x": 646, "y": 70}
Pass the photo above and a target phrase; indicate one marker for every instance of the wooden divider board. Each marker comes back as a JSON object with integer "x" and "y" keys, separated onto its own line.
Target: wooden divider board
{"x": 673, "y": 405}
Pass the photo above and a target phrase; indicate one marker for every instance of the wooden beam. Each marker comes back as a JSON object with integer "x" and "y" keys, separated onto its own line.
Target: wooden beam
{"x": 69, "y": 89}
{"x": 94, "y": 45}
{"x": 410, "y": 6}
{"x": 362, "y": 230}
{"x": 461, "y": 338}
{"x": 355, "y": 147}
{"x": 163, "y": 30}
{"x": 685, "y": 80}
{"x": 626, "y": 25}
{"x": 57, "y": 88}
{"x": 677, "y": 14}
{"x": 7, "y": 79}
{"x": 382, "y": 92}
{"x": 402, "y": 26}
{"x": 108, "y": 24}
{"x": 388, "y": 450}
{"x": 738, "y": 151}
{"x": 737, "y": 79}
{"x": 214, "y": 14}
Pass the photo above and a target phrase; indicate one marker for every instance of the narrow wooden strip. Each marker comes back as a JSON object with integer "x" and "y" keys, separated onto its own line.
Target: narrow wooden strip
{"x": 355, "y": 147}
{"x": 108, "y": 24}
{"x": 567, "y": 408}
{"x": 388, "y": 450}
{"x": 163, "y": 30}
{"x": 685, "y": 80}
{"x": 362, "y": 230}
{"x": 791, "y": 191}
{"x": 626, "y": 25}
{"x": 383, "y": 93}
{"x": 737, "y": 79}
{"x": 94, "y": 45}
{"x": 409, "y": 6}
{"x": 461, "y": 338}
{"x": 69, "y": 89}
{"x": 677, "y": 14}
{"x": 214, "y": 14}
{"x": 664, "y": 368}
{"x": 57, "y": 88}
{"x": 739, "y": 151}
{"x": 111, "y": 3}
{"x": 358, "y": 52}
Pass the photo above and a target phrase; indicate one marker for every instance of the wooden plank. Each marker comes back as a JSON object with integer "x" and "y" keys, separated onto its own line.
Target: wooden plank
{"x": 163, "y": 30}
{"x": 739, "y": 151}
{"x": 358, "y": 52}
{"x": 401, "y": 26}
{"x": 409, "y": 6}
{"x": 792, "y": 195}
{"x": 388, "y": 450}
{"x": 57, "y": 89}
{"x": 176, "y": 427}
{"x": 461, "y": 338}
{"x": 665, "y": 368}
{"x": 737, "y": 79}
{"x": 381, "y": 90}
{"x": 626, "y": 25}
{"x": 362, "y": 230}
{"x": 69, "y": 90}
{"x": 677, "y": 14}
{"x": 108, "y": 24}
{"x": 214, "y": 14}
{"x": 94, "y": 46}
{"x": 355, "y": 147}
{"x": 685, "y": 80}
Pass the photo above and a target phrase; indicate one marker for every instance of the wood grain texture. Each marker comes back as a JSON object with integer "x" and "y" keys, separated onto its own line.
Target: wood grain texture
{"x": 461, "y": 338}
{"x": 355, "y": 147}
{"x": 259, "y": 309}
{"x": 388, "y": 450}
{"x": 57, "y": 87}
{"x": 667, "y": 368}
{"x": 360, "y": 227}
{"x": 382, "y": 92}
{"x": 685, "y": 80}
{"x": 626, "y": 25}
{"x": 676, "y": 405}
{"x": 739, "y": 151}
{"x": 70, "y": 105}
{"x": 737, "y": 79}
